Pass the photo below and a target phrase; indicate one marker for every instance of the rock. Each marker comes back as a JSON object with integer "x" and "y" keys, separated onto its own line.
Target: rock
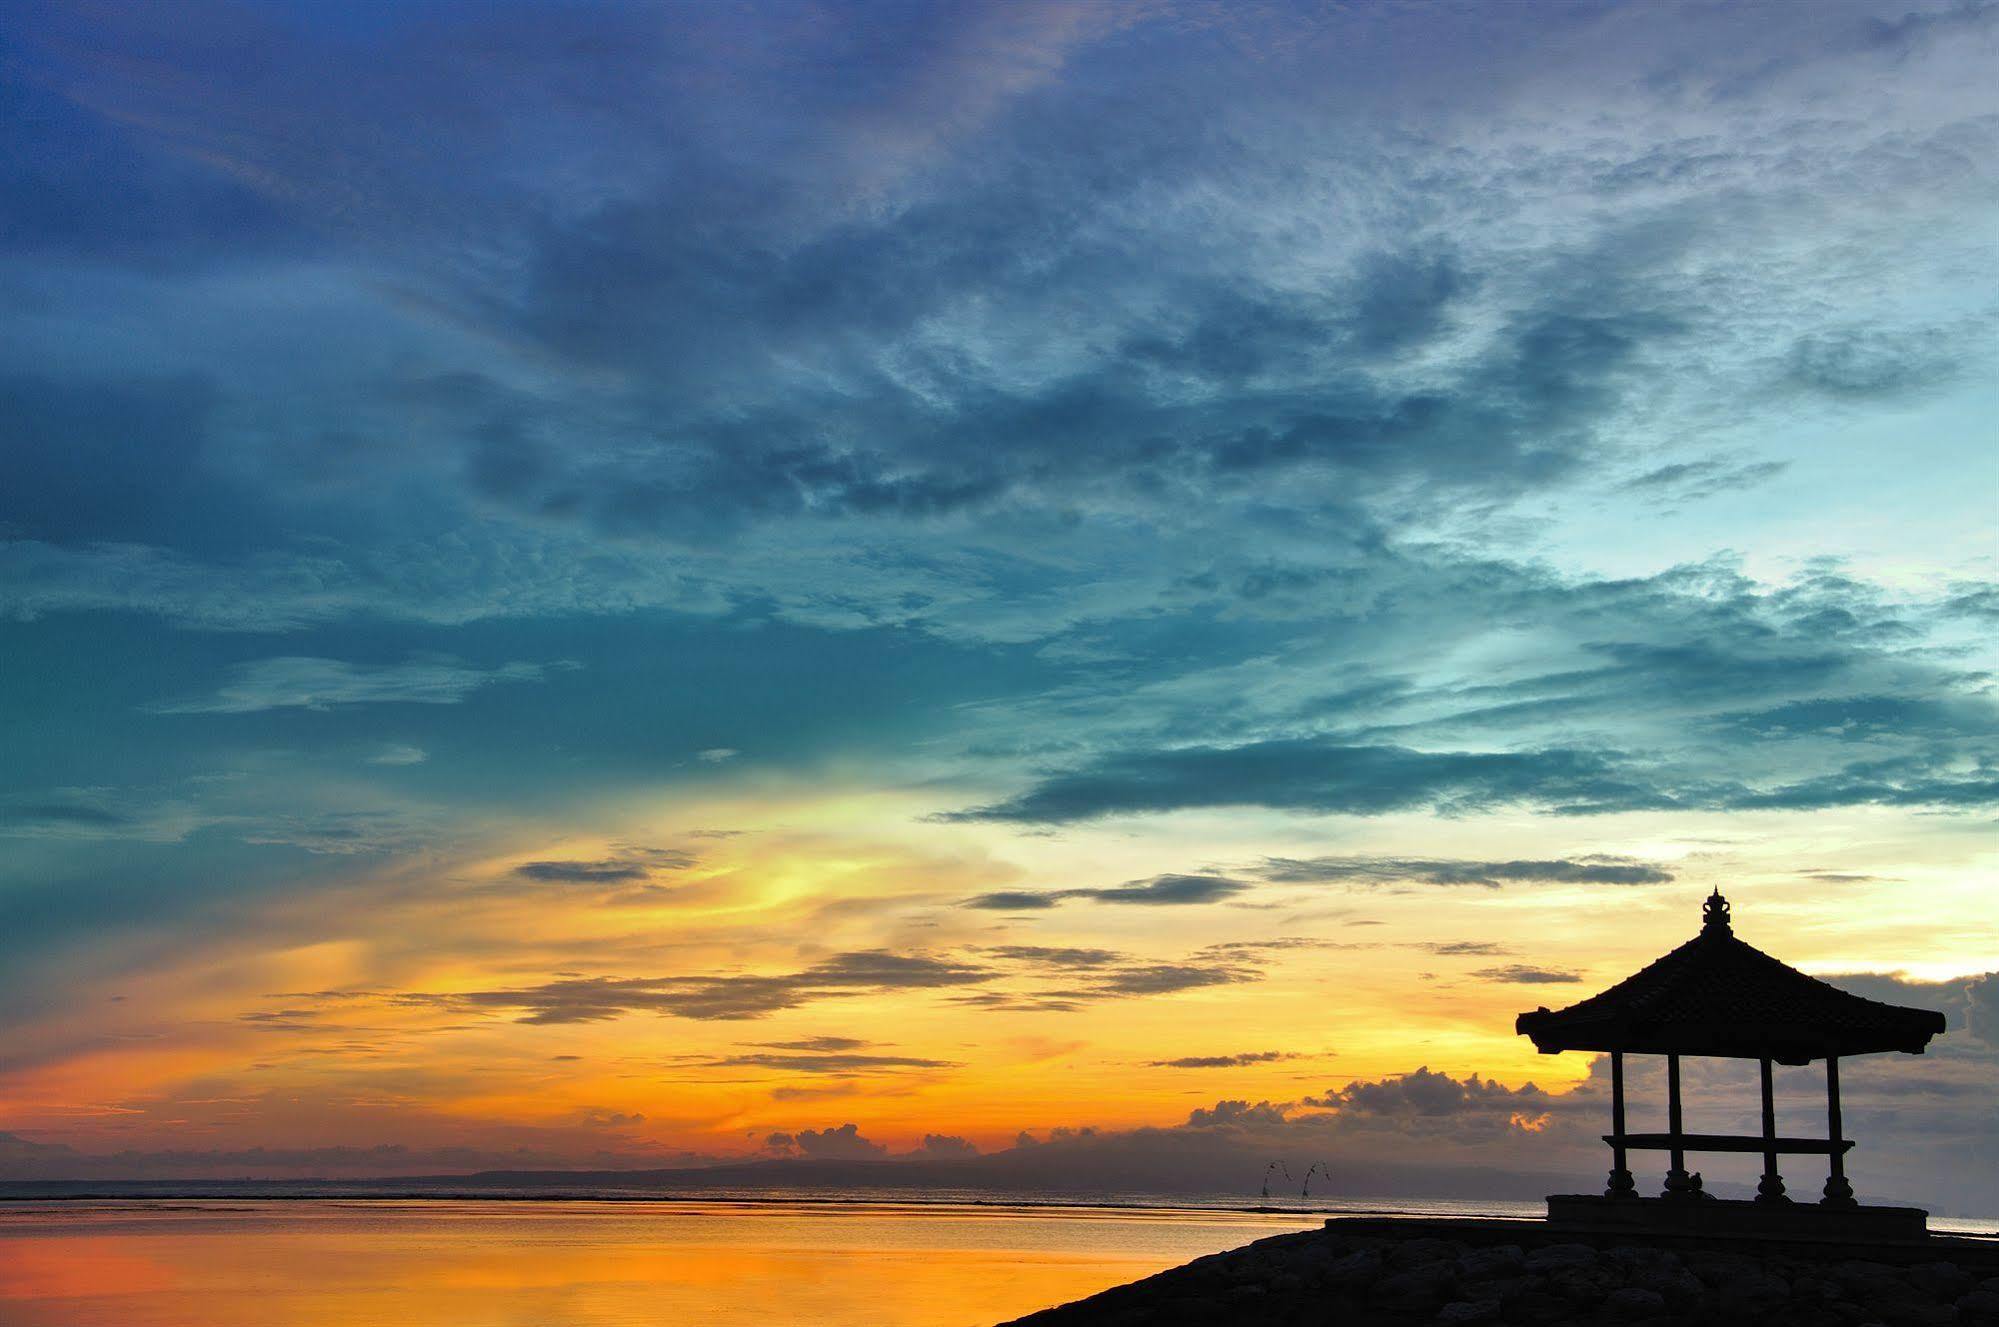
{"x": 1680, "y": 1287}
{"x": 1506, "y": 1289}
{"x": 1717, "y": 1268}
{"x": 1633, "y": 1258}
{"x": 1493, "y": 1261}
{"x": 1632, "y": 1303}
{"x": 1553, "y": 1257}
{"x": 1421, "y": 1252}
{"x": 1862, "y": 1278}
{"x": 1584, "y": 1285}
{"x": 1751, "y": 1294}
{"x": 1357, "y": 1269}
{"x": 1909, "y": 1307}
{"x": 1538, "y": 1306}
{"x": 1469, "y": 1310}
{"x": 1979, "y": 1306}
{"x": 1809, "y": 1289}
{"x": 1943, "y": 1280}
{"x": 1416, "y": 1290}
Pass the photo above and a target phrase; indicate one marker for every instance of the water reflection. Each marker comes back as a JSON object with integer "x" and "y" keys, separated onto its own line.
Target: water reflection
{"x": 582, "y": 1264}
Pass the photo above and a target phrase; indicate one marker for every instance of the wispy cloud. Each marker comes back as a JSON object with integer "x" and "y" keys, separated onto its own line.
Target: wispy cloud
{"x": 320, "y": 684}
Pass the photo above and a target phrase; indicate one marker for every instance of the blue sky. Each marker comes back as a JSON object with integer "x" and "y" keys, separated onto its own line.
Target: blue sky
{"x": 1024, "y": 448}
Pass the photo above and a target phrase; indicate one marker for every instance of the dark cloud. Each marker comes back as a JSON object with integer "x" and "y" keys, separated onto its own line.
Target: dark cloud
{"x": 1859, "y": 363}
{"x": 1433, "y": 871}
{"x": 1330, "y": 777}
{"x": 1056, "y": 957}
{"x": 1234, "y": 1115}
{"x": 818, "y": 1044}
{"x": 590, "y": 873}
{"x": 944, "y": 1147}
{"x": 593, "y": 999}
{"x": 845, "y": 1143}
{"x": 1861, "y": 718}
{"x": 1014, "y": 900}
{"x": 1235, "y": 1061}
{"x": 829, "y": 1062}
{"x": 1305, "y": 774}
{"x": 1160, "y": 978}
{"x": 1159, "y": 891}
{"x": 1526, "y": 975}
{"x": 1428, "y": 1093}
{"x": 60, "y": 814}
{"x": 1705, "y": 479}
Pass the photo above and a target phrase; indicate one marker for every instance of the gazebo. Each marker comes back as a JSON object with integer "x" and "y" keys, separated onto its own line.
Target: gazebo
{"x": 1718, "y": 996}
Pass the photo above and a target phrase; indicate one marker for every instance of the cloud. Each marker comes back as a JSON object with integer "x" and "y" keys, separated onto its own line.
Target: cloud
{"x": 818, "y": 1044}
{"x": 1238, "y": 1060}
{"x": 1160, "y": 978}
{"x": 1690, "y": 480}
{"x": 842, "y": 1144}
{"x": 1158, "y": 891}
{"x": 1323, "y": 776}
{"x": 594, "y": 999}
{"x": 589, "y": 873}
{"x": 320, "y": 684}
{"x": 1054, "y": 956}
{"x": 715, "y": 755}
{"x": 398, "y": 754}
{"x": 944, "y": 1147}
{"x": 829, "y": 1063}
{"x": 1597, "y": 870}
{"x": 1301, "y": 774}
{"x": 1526, "y": 975}
{"x": 1234, "y": 1115}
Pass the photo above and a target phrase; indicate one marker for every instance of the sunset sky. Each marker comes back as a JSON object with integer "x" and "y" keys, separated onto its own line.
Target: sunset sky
{"x": 614, "y": 584}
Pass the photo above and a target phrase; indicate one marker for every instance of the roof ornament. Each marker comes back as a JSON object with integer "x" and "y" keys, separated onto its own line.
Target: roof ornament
{"x": 1714, "y": 913}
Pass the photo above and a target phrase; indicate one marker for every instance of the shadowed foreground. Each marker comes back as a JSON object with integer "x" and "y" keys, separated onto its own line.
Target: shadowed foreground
{"x": 1366, "y": 1271}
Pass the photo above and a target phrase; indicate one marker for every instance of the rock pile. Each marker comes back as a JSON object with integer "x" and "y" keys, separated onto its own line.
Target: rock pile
{"x": 1331, "y": 1279}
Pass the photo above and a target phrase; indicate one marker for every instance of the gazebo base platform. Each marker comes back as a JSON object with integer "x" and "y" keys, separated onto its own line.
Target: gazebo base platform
{"x": 1731, "y": 1218}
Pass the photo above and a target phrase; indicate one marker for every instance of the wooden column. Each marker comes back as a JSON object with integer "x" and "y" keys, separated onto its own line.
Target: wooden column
{"x": 1678, "y": 1182}
{"x": 1621, "y": 1184}
{"x": 1771, "y": 1188}
{"x": 1838, "y": 1193}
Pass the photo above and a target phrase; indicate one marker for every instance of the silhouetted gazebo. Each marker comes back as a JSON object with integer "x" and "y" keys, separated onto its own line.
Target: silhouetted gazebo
{"x": 1716, "y": 995}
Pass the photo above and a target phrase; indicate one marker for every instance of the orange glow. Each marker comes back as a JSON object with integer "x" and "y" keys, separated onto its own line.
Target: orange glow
{"x": 328, "y": 1265}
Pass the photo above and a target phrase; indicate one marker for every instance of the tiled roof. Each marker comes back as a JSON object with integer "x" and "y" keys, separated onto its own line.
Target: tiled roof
{"x": 1716, "y": 995}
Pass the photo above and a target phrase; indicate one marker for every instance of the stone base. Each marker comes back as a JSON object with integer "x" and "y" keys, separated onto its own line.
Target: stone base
{"x": 1728, "y": 1218}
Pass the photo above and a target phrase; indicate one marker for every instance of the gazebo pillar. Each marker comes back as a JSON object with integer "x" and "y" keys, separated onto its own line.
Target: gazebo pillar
{"x": 1621, "y": 1184}
{"x": 1679, "y": 1184}
{"x": 1838, "y": 1193}
{"x": 1771, "y": 1188}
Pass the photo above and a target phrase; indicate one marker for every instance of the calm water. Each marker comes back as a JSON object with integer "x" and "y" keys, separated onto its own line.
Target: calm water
{"x": 234, "y": 1263}
{"x": 450, "y": 1262}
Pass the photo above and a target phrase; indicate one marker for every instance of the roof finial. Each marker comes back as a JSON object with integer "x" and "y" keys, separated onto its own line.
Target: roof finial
{"x": 1714, "y": 913}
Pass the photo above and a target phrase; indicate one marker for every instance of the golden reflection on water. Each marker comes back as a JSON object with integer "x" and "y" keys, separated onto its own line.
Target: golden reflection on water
{"x": 524, "y": 1264}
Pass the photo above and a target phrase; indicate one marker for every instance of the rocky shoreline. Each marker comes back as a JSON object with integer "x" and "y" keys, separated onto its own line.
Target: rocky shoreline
{"x": 1362, "y": 1272}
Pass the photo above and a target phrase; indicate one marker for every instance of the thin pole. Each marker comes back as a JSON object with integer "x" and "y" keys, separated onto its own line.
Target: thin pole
{"x": 1676, "y": 1178}
{"x": 1838, "y": 1193}
{"x": 1620, "y": 1171}
{"x": 1771, "y": 1189}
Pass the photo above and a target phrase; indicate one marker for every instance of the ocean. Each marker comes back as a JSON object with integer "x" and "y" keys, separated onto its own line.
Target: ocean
{"x": 607, "y": 1259}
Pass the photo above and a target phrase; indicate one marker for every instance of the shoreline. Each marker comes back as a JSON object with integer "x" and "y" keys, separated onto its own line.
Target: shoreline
{"x": 1376, "y": 1272}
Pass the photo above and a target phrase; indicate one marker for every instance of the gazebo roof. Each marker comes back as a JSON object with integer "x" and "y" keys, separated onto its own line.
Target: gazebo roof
{"x": 1715, "y": 995}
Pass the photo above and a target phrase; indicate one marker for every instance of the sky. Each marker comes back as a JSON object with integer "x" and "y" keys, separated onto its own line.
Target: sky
{"x": 631, "y": 585}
